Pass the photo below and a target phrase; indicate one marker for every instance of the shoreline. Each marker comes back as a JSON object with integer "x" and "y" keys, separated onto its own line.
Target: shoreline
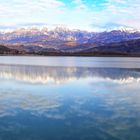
{"x": 36, "y": 55}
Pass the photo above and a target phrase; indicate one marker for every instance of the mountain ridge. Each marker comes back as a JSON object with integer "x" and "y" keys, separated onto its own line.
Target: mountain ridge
{"x": 66, "y": 41}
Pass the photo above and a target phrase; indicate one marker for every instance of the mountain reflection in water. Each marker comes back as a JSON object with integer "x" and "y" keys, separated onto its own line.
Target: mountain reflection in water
{"x": 70, "y": 103}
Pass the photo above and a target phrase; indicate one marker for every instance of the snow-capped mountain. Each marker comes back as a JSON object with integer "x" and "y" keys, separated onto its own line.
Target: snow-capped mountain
{"x": 62, "y": 39}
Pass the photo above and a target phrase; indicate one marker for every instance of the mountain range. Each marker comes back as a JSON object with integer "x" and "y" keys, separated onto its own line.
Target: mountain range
{"x": 63, "y": 41}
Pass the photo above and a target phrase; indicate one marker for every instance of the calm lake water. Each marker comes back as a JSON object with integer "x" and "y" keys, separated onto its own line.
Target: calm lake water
{"x": 69, "y": 98}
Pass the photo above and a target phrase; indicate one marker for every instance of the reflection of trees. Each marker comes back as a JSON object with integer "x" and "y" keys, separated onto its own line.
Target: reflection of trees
{"x": 43, "y": 74}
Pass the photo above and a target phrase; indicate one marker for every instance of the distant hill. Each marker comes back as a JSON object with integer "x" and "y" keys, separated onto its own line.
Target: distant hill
{"x": 6, "y": 50}
{"x": 131, "y": 47}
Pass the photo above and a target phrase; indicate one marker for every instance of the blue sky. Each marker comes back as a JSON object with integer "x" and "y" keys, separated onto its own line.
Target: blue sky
{"x": 75, "y": 14}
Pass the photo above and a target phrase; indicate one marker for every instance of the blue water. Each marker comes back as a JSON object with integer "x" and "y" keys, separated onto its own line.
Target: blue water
{"x": 65, "y": 100}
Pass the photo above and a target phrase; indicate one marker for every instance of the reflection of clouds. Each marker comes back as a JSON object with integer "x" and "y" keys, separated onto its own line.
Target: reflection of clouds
{"x": 108, "y": 103}
{"x": 110, "y": 113}
{"x": 11, "y": 102}
{"x": 108, "y": 81}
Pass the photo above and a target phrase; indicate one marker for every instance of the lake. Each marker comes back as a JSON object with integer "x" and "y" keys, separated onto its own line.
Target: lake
{"x": 69, "y": 98}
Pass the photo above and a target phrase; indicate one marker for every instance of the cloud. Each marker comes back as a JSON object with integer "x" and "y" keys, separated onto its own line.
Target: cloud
{"x": 82, "y": 14}
{"x": 120, "y": 12}
{"x": 110, "y": 25}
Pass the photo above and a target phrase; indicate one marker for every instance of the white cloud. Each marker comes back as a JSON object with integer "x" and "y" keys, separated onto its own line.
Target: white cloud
{"x": 119, "y": 12}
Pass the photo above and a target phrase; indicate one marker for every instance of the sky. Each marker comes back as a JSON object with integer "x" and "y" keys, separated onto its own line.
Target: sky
{"x": 75, "y": 14}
